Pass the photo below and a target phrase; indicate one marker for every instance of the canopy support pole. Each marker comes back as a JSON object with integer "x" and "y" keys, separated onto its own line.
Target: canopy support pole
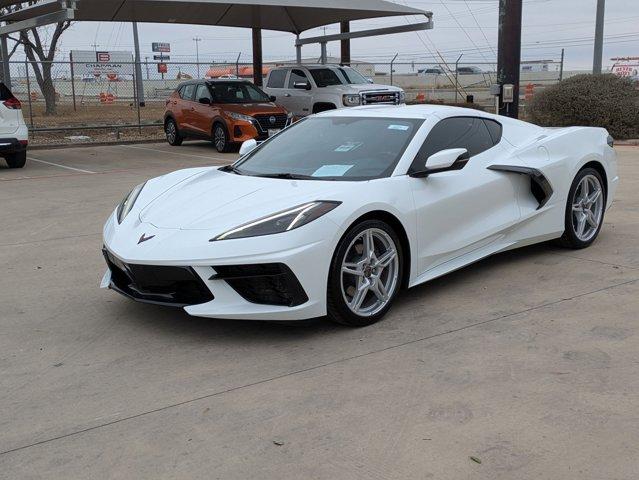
{"x": 345, "y": 27}
{"x": 323, "y": 58}
{"x": 298, "y": 51}
{"x": 257, "y": 57}
{"x": 6, "y": 68}
{"x": 138, "y": 66}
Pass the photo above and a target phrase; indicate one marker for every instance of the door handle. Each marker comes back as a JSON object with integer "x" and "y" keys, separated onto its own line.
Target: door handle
{"x": 287, "y": 94}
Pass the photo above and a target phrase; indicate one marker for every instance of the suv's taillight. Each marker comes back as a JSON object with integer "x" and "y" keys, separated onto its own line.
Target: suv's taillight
{"x": 13, "y": 103}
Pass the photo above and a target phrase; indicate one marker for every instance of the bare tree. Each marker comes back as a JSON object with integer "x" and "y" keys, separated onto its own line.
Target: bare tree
{"x": 40, "y": 53}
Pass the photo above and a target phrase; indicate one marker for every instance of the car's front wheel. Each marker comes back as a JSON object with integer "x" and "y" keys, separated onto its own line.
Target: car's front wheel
{"x": 366, "y": 274}
{"x": 172, "y": 133}
{"x": 585, "y": 210}
{"x": 221, "y": 138}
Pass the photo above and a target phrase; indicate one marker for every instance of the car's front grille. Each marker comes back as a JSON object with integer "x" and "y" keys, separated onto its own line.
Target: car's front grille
{"x": 272, "y": 122}
{"x": 381, "y": 98}
{"x": 266, "y": 284}
{"x": 173, "y": 286}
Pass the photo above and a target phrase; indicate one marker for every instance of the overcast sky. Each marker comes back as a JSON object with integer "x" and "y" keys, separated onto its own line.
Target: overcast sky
{"x": 461, "y": 26}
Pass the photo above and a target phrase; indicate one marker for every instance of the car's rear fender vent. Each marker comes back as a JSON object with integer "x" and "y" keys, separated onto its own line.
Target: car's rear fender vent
{"x": 540, "y": 187}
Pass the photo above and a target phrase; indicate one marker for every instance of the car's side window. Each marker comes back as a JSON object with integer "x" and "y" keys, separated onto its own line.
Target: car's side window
{"x": 495, "y": 129}
{"x": 203, "y": 92}
{"x": 297, "y": 76}
{"x": 457, "y": 132}
{"x": 188, "y": 91}
{"x": 276, "y": 79}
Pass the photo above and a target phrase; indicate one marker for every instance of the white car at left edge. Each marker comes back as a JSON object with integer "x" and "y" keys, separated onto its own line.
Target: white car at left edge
{"x": 340, "y": 211}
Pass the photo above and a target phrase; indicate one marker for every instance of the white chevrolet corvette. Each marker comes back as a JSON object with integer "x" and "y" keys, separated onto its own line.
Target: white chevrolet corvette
{"x": 339, "y": 212}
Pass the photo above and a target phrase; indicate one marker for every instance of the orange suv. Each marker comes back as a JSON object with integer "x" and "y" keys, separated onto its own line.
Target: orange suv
{"x": 227, "y": 112}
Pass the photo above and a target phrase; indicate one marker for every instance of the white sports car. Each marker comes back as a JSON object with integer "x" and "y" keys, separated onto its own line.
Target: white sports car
{"x": 339, "y": 212}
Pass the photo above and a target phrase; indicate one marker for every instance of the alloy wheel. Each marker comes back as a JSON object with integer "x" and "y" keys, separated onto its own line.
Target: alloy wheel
{"x": 587, "y": 208}
{"x": 171, "y": 132}
{"x": 370, "y": 272}
{"x": 219, "y": 137}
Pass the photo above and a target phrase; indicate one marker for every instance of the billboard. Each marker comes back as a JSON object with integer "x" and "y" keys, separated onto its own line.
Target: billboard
{"x": 109, "y": 65}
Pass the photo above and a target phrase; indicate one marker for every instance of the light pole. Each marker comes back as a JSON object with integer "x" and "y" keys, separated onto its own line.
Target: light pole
{"x": 599, "y": 34}
{"x": 197, "y": 41}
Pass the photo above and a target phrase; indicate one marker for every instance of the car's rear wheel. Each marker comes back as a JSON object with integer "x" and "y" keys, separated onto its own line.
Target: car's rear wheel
{"x": 366, "y": 274}
{"x": 221, "y": 139}
{"x": 172, "y": 133}
{"x": 585, "y": 210}
{"x": 16, "y": 160}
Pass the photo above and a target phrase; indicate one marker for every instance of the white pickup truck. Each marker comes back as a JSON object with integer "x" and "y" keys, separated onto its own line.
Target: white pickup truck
{"x": 308, "y": 89}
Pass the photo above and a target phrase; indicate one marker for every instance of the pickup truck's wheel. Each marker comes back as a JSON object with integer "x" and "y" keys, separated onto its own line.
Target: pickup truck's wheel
{"x": 365, "y": 275}
{"x": 16, "y": 160}
{"x": 172, "y": 133}
{"x": 585, "y": 210}
{"x": 221, "y": 138}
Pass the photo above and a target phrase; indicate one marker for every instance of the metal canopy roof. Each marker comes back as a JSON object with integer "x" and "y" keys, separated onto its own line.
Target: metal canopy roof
{"x": 293, "y": 16}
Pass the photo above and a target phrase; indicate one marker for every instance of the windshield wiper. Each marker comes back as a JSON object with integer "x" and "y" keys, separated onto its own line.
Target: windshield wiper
{"x": 231, "y": 169}
{"x": 286, "y": 176}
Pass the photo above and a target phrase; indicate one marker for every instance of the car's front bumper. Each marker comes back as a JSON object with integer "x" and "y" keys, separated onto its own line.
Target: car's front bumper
{"x": 304, "y": 255}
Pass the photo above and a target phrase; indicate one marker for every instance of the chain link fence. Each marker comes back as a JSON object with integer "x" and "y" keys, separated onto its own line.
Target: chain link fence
{"x": 103, "y": 108}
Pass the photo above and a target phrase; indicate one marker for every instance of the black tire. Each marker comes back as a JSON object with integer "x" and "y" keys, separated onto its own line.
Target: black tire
{"x": 16, "y": 160}
{"x": 570, "y": 238}
{"x": 221, "y": 139}
{"x": 172, "y": 133}
{"x": 338, "y": 310}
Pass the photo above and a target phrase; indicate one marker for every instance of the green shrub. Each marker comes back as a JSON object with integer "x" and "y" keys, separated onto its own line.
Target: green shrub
{"x": 604, "y": 101}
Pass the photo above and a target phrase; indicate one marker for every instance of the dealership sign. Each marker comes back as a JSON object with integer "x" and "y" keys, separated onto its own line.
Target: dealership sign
{"x": 161, "y": 47}
{"x": 626, "y": 67}
{"x": 102, "y": 64}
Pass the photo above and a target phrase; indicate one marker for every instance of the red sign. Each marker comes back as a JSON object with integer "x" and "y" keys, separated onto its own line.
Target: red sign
{"x": 163, "y": 68}
{"x": 103, "y": 57}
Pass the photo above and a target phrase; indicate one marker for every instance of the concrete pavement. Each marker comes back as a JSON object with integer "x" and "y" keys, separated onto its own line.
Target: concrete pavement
{"x": 527, "y": 361}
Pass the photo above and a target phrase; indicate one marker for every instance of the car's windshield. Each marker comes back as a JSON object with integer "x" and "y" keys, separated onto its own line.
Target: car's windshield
{"x": 237, "y": 92}
{"x": 326, "y": 77}
{"x": 333, "y": 148}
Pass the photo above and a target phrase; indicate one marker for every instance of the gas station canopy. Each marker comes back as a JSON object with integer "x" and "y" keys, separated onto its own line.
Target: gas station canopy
{"x": 294, "y": 16}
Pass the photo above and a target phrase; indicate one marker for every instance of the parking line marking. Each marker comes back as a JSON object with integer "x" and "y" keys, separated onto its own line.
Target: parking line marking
{"x": 58, "y": 165}
{"x": 176, "y": 153}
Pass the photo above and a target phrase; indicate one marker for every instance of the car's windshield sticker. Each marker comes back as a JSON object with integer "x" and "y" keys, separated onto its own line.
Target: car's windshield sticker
{"x": 403, "y": 128}
{"x": 332, "y": 170}
{"x": 349, "y": 147}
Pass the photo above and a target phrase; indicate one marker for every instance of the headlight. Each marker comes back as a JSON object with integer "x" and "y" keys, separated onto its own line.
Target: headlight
{"x": 239, "y": 116}
{"x": 281, "y": 222}
{"x": 351, "y": 100}
{"x": 127, "y": 204}
{"x": 402, "y": 97}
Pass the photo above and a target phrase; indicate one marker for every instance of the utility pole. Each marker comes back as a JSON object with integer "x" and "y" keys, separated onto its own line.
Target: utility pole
{"x": 599, "y": 34}
{"x": 138, "y": 67}
{"x": 197, "y": 41}
{"x": 509, "y": 53}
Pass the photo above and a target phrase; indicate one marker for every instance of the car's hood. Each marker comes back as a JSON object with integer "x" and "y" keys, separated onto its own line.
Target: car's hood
{"x": 217, "y": 201}
{"x": 253, "y": 108}
{"x": 365, "y": 87}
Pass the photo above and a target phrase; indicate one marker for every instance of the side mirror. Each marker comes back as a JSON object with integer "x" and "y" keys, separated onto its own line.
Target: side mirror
{"x": 205, "y": 101}
{"x": 302, "y": 85}
{"x": 272, "y": 98}
{"x": 370, "y": 80}
{"x": 247, "y": 147}
{"x": 445, "y": 160}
